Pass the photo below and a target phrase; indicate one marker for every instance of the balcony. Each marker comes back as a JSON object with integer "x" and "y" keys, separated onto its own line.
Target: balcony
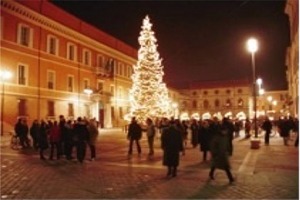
{"x": 102, "y": 72}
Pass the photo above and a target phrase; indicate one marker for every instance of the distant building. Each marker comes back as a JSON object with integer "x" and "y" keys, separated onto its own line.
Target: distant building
{"x": 61, "y": 65}
{"x": 216, "y": 99}
{"x": 292, "y": 56}
{"x": 273, "y": 104}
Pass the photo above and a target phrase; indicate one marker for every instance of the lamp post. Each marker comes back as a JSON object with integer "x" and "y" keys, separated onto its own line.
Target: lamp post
{"x": 4, "y": 76}
{"x": 252, "y": 46}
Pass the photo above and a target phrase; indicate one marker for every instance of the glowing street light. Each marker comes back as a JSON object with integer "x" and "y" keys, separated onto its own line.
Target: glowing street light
{"x": 252, "y": 46}
{"x": 4, "y": 76}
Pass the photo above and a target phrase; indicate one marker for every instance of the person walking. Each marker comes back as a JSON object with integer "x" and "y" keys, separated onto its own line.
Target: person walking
{"x": 267, "y": 127}
{"x": 150, "y": 135}
{"x": 247, "y": 128}
{"x": 220, "y": 151}
{"x": 134, "y": 135}
{"x": 172, "y": 145}
{"x": 21, "y": 129}
{"x": 93, "y": 134}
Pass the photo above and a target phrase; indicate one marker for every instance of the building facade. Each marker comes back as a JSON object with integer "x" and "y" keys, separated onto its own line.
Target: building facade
{"x": 292, "y": 56}
{"x": 60, "y": 65}
{"x": 217, "y": 99}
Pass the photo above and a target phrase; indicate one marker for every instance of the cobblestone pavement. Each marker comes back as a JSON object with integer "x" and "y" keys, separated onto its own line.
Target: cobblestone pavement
{"x": 270, "y": 172}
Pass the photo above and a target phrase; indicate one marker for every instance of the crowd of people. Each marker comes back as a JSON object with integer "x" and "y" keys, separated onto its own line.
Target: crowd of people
{"x": 60, "y": 136}
{"x": 214, "y": 138}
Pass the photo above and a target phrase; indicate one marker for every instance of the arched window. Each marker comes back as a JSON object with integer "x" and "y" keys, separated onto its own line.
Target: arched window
{"x": 194, "y": 104}
{"x": 217, "y": 103}
{"x": 205, "y": 104}
{"x": 228, "y": 103}
{"x": 240, "y": 102}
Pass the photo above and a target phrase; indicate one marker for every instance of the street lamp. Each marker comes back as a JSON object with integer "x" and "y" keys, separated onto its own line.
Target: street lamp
{"x": 252, "y": 46}
{"x": 4, "y": 76}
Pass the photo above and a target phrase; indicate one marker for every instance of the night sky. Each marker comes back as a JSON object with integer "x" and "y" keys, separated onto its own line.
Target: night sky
{"x": 200, "y": 40}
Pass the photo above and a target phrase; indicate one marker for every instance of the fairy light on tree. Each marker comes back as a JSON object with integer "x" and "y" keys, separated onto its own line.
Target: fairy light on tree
{"x": 149, "y": 94}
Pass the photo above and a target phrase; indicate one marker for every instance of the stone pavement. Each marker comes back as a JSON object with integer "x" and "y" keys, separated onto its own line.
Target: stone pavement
{"x": 271, "y": 172}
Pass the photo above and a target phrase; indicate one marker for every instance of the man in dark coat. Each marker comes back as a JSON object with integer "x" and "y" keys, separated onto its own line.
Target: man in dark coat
{"x": 220, "y": 150}
{"x": 81, "y": 137}
{"x": 204, "y": 137}
{"x": 267, "y": 126}
{"x": 134, "y": 135}
{"x": 172, "y": 144}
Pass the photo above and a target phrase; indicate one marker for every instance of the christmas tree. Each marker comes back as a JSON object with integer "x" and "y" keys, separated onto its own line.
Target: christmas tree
{"x": 149, "y": 94}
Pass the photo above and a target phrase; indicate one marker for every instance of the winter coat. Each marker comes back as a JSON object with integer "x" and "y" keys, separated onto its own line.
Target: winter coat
{"x": 54, "y": 134}
{"x": 93, "y": 133}
{"x": 220, "y": 151}
{"x": 81, "y": 133}
{"x": 172, "y": 144}
{"x": 43, "y": 137}
{"x": 204, "y": 138}
{"x": 134, "y": 131}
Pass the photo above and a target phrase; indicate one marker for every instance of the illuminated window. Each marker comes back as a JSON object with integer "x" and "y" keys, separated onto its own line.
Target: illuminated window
{"x": 71, "y": 110}
{"x": 228, "y": 103}
{"x": 240, "y": 102}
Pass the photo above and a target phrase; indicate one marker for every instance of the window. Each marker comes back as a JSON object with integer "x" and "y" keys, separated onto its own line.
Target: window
{"x": 71, "y": 110}
{"x": 121, "y": 112}
{"x": 216, "y": 91}
{"x": 70, "y": 83}
{"x": 50, "y": 79}
{"x": 22, "y": 107}
{"x": 205, "y": 104}
{"x": 240, "y": 102}
{"x": 50, "y": 107}
{"x": 25, "y": 35}
{"x": 194, "y": 104}
{"x": 86, "y": 83}
{"x": 240, "y": 91}
{"x": 52, "y": 45}
{"x": 100, "y": 86}
{"x": 100, "y": 61}
{"x": 194, "y": 93}
{"x": 71, "y": 52}
{"x": 112, "y": 90}
{"x": 217, "y": 103}
{"x": 205, "y": 92}
{"x": 120, "y": 68}
{"x": 228, "y": 91}
{"x": 228, "y": 103}
{"x": 112, "y": 113}
{"x": 22, "y": 74}
{"x": 87, "y": 55}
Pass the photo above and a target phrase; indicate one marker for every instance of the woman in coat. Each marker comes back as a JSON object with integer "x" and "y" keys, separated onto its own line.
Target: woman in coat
{"x": 43, "y": 138}
{"x": 220, "y": 150}
{"x": 172, "y": 144}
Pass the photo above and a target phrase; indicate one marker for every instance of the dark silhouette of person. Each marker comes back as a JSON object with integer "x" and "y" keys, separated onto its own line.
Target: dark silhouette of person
{"x": 267, "y": 127}
{"x": 134, "y": 135}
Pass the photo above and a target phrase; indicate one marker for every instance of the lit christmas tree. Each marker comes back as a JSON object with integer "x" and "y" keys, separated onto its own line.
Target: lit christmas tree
{"x": 149, "y": 94}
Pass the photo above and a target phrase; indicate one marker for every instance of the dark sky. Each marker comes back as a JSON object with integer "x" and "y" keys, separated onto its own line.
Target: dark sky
{"x": 200, "y": 40}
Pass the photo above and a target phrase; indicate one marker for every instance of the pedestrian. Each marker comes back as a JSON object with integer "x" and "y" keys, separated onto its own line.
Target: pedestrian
{"x": 296, "y": 130}
{"x": 194, "y": 129}
{"x": 69, "y": 143}
{"x": 228, "y": 125}
{"x": 172, "y": 145}
{"x": 220, "y": 151}
{"x": 54, "y": 138}
{"x": 150, "y": 130}
{"x": 34, "y": 132}
{"x": 81, "y": 137}
{"x": 64, "y": 131}
{"x": 21, "y": 129}
{"x": 284, "y": 130}
{"x": 267, "y": 127}
{"x": 93, "y": 134}
{"x": 185, "y": 127}
{"x": 134, "y": 135}
{"x": 247, "y": 128}
{"x": 204, "y": 139}
{"x": 42, "y": 138}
